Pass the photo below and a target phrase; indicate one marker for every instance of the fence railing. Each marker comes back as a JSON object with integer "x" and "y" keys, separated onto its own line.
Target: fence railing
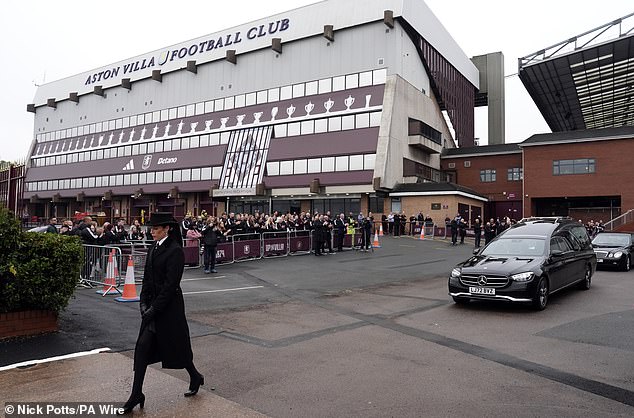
{"x": 619, "y": 221}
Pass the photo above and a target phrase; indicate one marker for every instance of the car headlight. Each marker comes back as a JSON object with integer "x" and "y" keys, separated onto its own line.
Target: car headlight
{"x": 523, "y": 277}
{"x": 617, "y": 254}
{"x": 456, "y": 273}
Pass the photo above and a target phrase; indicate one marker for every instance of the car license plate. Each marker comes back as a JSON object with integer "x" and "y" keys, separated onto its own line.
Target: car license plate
{"x": 599, "y": 260}
{"x": 481, "y": 291}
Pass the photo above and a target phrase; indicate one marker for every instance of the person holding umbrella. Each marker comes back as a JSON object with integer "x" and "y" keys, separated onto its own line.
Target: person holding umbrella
{"x": 164, "y": 334}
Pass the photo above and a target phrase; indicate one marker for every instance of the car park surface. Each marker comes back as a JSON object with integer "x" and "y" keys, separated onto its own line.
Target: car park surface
{"x": 355, "y": 335}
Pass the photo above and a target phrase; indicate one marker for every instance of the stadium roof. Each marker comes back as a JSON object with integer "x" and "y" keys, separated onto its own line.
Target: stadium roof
{"x": 587, "y": 81}
{"x": 588, "y": 135}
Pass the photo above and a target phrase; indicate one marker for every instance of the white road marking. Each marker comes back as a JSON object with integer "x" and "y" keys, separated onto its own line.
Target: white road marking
{"x": 408, "y": 246}
{"x": 46, "y": 360}
{"x": 223, "y": 290}
{"x": 204, "y": 278}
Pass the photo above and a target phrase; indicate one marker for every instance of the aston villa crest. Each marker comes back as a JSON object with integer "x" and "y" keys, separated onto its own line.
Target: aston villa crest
{"x": 147, "y": 161}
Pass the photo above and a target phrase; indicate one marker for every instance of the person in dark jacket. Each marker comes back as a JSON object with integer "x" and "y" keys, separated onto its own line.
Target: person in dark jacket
{"x": 210, "y": 240}
{"x": 164, "y": 334}
{"x": 454, "y": 229}
{"x": 489, "y": 231}
{"x": 477, "y": 230}
{"x": 318, "y": 234}
{"x": 52, "y": 228}
{"x": 340, "y": 231}
{"x": 462, "y": 229}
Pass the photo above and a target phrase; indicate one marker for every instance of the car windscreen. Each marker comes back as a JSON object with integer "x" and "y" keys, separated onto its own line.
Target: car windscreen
{"x": 611, "y": 240}
{"x": 516, "y": 247}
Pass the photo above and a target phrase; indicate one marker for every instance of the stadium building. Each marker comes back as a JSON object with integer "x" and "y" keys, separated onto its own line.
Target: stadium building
{"x": 333, "y": 106}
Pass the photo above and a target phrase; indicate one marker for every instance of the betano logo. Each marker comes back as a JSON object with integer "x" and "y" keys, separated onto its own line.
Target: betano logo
{"x": 129, "y": 166}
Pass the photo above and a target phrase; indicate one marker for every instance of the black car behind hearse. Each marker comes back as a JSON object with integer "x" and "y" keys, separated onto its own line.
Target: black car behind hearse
{"x": 527, "y": 263}
{"x": 614, "y": 249}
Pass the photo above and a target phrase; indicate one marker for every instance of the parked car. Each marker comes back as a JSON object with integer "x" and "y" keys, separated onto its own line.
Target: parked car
{"x": 614, "y": 249}
{"x": 527, "y": 263}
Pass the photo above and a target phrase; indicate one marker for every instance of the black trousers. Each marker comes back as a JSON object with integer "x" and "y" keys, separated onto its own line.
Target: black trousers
{"x": 339, "y": 236}
{"x": 210, "y": 257}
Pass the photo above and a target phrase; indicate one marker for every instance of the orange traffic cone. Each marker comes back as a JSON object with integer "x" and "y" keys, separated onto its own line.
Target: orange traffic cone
{"x": 380, "y": 229}
{"x": 422, "y": 232}
{"x": 129, "y": 288}
{"x": 376, "y": 243}
{"x": 110, "y": 285}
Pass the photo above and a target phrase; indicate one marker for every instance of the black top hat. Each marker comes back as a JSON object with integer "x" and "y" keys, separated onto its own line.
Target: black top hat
{"x": 162, "y": 218}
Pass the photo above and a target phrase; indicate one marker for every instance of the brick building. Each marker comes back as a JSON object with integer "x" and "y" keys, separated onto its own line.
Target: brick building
{"x": 493, "y": 171}
{"x": 583, "y": 174}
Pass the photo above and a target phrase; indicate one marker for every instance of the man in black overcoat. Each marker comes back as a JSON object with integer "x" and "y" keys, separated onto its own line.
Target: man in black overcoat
{"x": 164, "y": 334}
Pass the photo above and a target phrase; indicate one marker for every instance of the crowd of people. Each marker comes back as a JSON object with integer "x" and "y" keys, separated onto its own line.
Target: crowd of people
{"x": 328, "y": 230}
{"x": 593, "y": 227}
{"x": 92, "y": 234}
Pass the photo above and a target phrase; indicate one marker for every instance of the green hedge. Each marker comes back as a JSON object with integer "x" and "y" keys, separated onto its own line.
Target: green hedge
{"x": 37, "y": 271}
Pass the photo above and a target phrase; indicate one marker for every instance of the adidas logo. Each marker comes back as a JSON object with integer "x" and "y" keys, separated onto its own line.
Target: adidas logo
{"x": 129, "y": 166}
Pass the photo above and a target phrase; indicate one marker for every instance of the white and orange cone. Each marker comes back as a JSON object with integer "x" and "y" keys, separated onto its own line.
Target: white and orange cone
{"x": 129, "y": 288}
{"x": 376, "y": 243}
{"x": 381, "y": 229}
{"x": 110, "y": 284}
{"x": 422, "y": 232}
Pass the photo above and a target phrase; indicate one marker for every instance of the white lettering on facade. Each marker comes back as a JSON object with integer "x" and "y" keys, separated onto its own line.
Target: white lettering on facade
{"x": 167, "y": 160}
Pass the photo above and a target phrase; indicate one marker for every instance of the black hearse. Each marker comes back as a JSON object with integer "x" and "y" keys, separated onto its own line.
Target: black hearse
{"x": 526, "y": 263}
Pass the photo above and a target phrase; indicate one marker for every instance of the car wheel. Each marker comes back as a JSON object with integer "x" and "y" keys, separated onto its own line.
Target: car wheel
{"x": 460, "y": 301}
{"x": 626, "y": 263}
{"x": 540, "y": 300}
{"x": 587, "y": 279}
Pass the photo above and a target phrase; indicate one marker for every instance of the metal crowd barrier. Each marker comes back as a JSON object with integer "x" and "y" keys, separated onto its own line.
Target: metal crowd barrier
{"x": 93, "y": 272}
{"x": 191, "y": 248}
{"x": 300, "y": 242}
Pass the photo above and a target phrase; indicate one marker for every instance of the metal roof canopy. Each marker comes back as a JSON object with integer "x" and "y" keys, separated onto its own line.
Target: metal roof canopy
{"x": 585, "y": 82}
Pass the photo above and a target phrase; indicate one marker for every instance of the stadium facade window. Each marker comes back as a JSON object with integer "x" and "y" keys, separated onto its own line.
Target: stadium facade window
{"x": 515, "y": 174}
{"x": 488, "y": 175}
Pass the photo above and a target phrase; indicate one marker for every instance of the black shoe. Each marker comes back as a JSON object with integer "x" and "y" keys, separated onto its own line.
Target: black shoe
{"x": 194, "y": 385}
{"x": 131, "y": 403}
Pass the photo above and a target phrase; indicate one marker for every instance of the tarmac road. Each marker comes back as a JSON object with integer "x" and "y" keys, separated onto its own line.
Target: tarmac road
{"x": 363, "y": 335}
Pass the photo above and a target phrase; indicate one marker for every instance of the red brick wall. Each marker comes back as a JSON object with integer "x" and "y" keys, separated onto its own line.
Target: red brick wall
{"x": 502, "y": 190}
{"x": 614, "y": 169}
{"x": 14, "y": 324}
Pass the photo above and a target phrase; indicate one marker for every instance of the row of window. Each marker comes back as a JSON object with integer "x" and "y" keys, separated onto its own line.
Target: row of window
{"x": 512, "y": 174}
{"x": 579, "y": 166}
{"x": 332, "y": 124}
{"x": 168, "y": 176}
{"x": 560, "y": 168}
{"x": 275, "y": 168}
{"x": 323, "y": 86}
{"x": 321, "y": 165}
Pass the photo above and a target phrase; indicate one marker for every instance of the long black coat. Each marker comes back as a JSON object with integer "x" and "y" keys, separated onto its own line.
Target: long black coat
{"x": 161, "y": 289}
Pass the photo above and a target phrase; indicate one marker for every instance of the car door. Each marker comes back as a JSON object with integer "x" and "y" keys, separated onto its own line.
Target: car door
{"x": 561, "y": 262}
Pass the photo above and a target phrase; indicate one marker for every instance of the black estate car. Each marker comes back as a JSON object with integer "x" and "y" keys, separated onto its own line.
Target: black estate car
{"x": 526, "y": 263}
{"x": 614, "y": 249}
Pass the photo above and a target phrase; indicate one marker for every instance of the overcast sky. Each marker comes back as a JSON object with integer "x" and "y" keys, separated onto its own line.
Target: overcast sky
{"x": 43, "y": 41}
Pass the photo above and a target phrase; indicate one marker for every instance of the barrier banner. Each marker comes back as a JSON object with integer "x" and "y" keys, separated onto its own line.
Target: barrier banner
{"x": 417, "y": 230}
{"x": 224, "y": 253}
{"x": 358, "y": 240}
{"x": 298, "y": 244}
{"x": 275, "y": 246}
{"x": 246, "y": 249}
{"x": 192, "y": 256}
